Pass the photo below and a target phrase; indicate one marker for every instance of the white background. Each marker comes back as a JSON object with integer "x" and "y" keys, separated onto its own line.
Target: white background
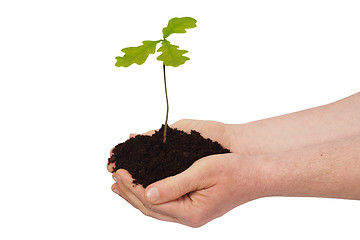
{"x": 64, "y": 105}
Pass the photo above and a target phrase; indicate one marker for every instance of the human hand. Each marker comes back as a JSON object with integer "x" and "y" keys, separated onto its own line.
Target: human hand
{"x": 271, "y": 157}
{"x": 208, "y": 189}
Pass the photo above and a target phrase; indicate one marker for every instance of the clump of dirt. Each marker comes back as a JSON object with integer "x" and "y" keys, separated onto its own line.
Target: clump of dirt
{"x": 148, "y": 159}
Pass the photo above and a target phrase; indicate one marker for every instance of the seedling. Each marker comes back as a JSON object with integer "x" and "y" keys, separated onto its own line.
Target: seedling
{"x": 171, "y": 55}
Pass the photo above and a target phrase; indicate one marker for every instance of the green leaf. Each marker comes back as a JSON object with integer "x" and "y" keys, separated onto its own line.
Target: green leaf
{"x": 178, "y": 25}
{"x": 171, "y": 55}
{"x": 136, "y": 55}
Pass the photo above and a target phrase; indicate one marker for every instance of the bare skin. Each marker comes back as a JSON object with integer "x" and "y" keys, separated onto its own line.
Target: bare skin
{"x": 309, "y": 153}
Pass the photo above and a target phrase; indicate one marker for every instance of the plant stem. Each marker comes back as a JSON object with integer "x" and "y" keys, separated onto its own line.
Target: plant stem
{"x": 167, "y": 104}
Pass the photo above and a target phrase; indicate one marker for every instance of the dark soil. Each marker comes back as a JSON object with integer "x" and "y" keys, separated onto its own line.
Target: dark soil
{"x": 148, "y": 159}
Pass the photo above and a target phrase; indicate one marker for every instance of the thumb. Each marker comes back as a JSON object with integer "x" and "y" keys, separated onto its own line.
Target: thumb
{"x": 171, "y": 188}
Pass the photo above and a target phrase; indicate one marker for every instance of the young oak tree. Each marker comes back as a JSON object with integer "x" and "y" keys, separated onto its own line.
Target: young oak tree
{"x": 170, "y": 54}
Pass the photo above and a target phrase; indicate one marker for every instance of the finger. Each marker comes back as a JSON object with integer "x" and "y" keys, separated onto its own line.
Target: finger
{"x": 208, "y": 129}
{"x": 197, "y": 177}
{"x": 185, "y": 196}
{"x": 125, "y": 190}
{"x": 132, "y": 135}
{"x": 110, "y": 167}
{"x": 185, "y": 125}
{"x": 189, "y": 210}
{"x": 131, "y": 192}
{"x": 149, "y": 133}
{"x": 133, "y": 201}
{"x": 116, "y": 189}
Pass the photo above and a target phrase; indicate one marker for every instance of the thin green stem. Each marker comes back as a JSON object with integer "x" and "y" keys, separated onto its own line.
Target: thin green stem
{"x": 167, "y": 104}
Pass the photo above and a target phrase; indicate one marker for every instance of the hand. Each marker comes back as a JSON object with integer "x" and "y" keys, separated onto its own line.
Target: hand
{"x": 208, "y": 189}
{"x": 296, "y": 154}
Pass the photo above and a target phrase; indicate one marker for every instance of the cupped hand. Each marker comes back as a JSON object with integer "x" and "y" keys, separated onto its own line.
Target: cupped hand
{"x": 208, "y": 189}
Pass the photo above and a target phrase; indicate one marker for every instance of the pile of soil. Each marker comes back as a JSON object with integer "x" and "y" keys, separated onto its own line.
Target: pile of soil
{"x": 148, "y": 159}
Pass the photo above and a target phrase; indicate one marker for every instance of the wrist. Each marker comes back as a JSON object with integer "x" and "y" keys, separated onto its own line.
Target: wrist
{"x": 255, "y": 177}
{"x": 242, "y": 139}
{"x": 287, "y": 174}
{"x": 270, "y": 179}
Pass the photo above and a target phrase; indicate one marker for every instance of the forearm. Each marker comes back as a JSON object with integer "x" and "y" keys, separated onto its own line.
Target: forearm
{"x": 327, "y": 170}
{"x": 301, "y": 129}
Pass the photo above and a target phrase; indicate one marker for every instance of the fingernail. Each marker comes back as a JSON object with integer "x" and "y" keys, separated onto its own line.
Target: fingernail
{"x": 152, "y": 194}
{"x": 116, "y": 191}
{"x": 117, "y": 178}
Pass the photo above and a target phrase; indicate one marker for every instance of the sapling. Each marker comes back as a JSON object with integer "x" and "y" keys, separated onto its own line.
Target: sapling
{"x": 170, "y": 54}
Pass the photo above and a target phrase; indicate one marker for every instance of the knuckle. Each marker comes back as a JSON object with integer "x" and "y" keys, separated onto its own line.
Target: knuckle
{"x": 147, "y": 209}
{"x": 175, "y": 188}
{"x": 145, "y": 212}
{"x": 196, "y": 223}
{"x": 150, "y": 207}
{"x": 197, "y": 220}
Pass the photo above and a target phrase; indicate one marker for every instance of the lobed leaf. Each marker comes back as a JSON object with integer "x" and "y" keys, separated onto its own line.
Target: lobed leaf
{"x": 137, "y": 54}
{"x": 171, "y": 55}
{"x": 178, "y": 25}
